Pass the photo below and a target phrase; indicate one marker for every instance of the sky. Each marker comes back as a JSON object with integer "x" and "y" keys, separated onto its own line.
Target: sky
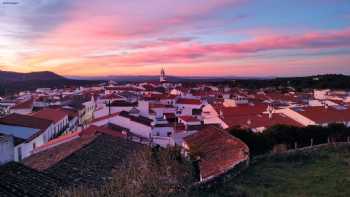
{"x": 186, "y": 37}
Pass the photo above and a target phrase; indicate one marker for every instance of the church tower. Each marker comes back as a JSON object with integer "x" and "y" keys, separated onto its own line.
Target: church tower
{"x": 162, "y": 76}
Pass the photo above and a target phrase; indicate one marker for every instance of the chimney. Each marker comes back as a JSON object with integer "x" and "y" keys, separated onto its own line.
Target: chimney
{"x": 270, "y": 111}
{"x": 325, "y": 105}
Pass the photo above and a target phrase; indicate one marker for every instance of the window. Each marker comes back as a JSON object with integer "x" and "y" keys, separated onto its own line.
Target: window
{"x": 34, "y": 145}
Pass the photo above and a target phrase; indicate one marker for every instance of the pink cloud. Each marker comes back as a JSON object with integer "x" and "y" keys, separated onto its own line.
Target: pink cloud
{"x": 197, "y": 52}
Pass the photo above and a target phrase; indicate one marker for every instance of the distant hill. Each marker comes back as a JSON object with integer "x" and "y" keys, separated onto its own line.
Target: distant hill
{"x": 11, "y": 82}
{"x": 15, "y": 76}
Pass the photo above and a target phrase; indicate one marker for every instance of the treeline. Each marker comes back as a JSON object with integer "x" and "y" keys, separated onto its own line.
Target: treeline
{"x": 331, "y": 81}
{"x": 289, "y": 137}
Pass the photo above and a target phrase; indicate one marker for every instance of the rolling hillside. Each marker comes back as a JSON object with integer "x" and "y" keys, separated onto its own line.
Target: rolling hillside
{"x": 11, "y": 82}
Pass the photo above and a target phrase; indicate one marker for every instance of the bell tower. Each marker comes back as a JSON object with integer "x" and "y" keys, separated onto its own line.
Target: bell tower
{"x": 162, "y": 76}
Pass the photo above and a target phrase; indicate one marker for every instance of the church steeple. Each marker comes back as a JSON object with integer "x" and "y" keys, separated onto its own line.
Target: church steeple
{"x": 162, "y": 76}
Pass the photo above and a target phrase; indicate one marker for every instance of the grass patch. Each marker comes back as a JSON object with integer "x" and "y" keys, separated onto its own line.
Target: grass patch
{"x": 325, "y": 172}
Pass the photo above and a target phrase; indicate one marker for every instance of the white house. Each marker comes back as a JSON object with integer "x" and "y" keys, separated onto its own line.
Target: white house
{"x": 30, "y": 132}
{"x": 321, "y": 94}
{"x": 186, "y": 106}
{"x": 108, "y": 99}
{"x": 137, "y": 125}
{"x": 58, "y": 117}
{"x": 85, "y": 105}
{"x": 191, "y": 123}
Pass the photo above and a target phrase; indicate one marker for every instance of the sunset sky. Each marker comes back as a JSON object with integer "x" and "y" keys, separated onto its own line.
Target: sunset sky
{"x": 186, "y": 37}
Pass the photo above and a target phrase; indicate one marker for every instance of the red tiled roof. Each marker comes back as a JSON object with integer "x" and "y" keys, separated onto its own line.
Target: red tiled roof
{"x": 27, "y": 121}
{"x": 71, "y": 112}
{"x": 24, "y": 105}
{"x": 218, "y": 151}
{"x": 239, "y": 110}
{"x": 123, "y": 88}
{"x": 179, "y": 127}
{"x": 47, "y": 158}
{"x": 169, "y": 115}
{"x": 187, "y": 101}
{"x": 322, "y": 115}
{"x": 189, "y": 118}
{"x": 260, "y": 120}
{"x": 160, "y": 97}
{"x": 277, "y": 96}
{"x": 59, "y": 140}
{"x": 159, "y": 105}
{"x": 54, "y": 115}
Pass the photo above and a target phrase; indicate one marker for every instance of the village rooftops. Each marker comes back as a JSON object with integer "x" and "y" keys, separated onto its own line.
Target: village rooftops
{"x": 19, "y": 180}
{"x": 188, "y": 101}
{"x": 77, "y": 101}
{"x": 72, "y": 113}
{"x": 321, "y": 115}
{"x": 26, "y": 121}
{"x": 91, "y": 164}
{"x": 189, "y": 119}
{"x": 159, "y": 105}
{"x": 139, "y": 119}
{"x": 24, "y": 104}
{"x": 55, "y": 151}
{"x": 242, "y": 109}
{"x": 218, "y": 151}
{"x": 123, "y": 88}
{"x": 160, "y": 97}
{"x": 47, "y": 158}
{"x": 121, "y": 103}
{"x": 111, "y": 97}
{"x": 55, "y": 115}
{"x": 26, "y": 124}
{"x": 254, "y": 121}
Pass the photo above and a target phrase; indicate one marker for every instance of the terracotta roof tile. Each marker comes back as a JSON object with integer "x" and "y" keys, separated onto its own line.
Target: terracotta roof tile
{"x": 187, "y": 101}
{"x": 218, "y": 150}
{"x": 189, "y": 118}
{"x": 19, "y": 180}
{"x": 47, "y": 158}
{"x": 260, "y": 120}
{"x": 24, "y": 105}
{"x": 27, "y": 121}
{"x": 330, "y": 115}
{"x": 54, "y": 115}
